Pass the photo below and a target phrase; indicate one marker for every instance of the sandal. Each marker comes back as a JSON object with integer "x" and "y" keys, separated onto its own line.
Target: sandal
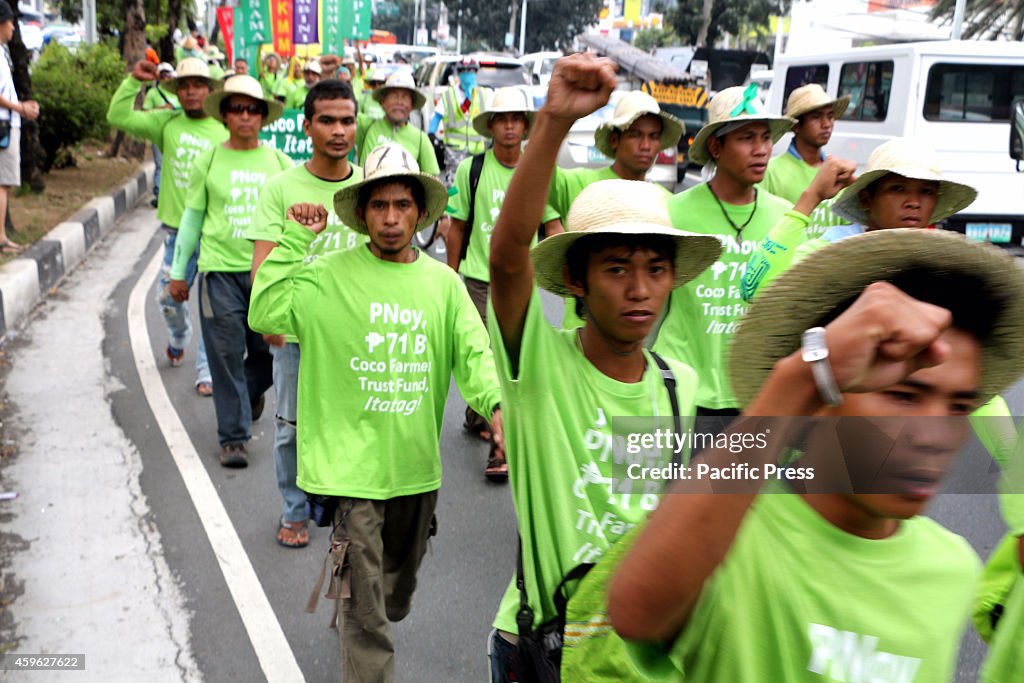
{"x": 9, "y": 247}
{"x": 497, "y": 466}
{"x": 293, "y": 534}
{"x": 204, "y": 388}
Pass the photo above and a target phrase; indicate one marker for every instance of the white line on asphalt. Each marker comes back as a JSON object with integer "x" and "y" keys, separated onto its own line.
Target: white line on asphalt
{"x": 268, "y": 640}
{"x": 695, "y": 177}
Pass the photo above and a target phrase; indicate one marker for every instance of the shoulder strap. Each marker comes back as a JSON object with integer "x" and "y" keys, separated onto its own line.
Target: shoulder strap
{"x": 524, "y": 617}
{"x": 475, "y": 170}
{"x": 160, "y": 92}
{"x": 670, "y": 386}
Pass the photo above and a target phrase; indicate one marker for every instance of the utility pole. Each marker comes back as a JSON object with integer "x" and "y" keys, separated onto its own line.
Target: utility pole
{"x": 958, "y": 20}
{"x": 89, "y": 16}
{"x": 522, "y": 31}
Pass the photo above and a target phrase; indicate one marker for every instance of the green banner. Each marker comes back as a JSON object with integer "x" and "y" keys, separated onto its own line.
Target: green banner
{"x": 356, "y": 19}
{"x": 286, "y": 135}
{"x": 332, "y": 15}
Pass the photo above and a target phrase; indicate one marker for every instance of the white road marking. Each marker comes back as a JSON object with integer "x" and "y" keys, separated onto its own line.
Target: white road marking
{"x": 268, "y": 640}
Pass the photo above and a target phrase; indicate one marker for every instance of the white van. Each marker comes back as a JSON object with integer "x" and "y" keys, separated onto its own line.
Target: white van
{"x": 954, "y": 95}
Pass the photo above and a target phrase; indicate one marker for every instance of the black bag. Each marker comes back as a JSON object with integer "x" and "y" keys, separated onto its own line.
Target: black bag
{"x": 537, "y": 657}
{"x": 5, "y": 133}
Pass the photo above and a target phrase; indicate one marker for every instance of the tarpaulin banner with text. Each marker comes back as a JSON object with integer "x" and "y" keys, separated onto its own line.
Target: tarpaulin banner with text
{"x": 304, "y": 21}
{"x": 356, "y": 18}
{"x": 286, "y": 135}
{"x": 281, "y": 11}
{"x": 333, "y": 39}
{"x": 226, "y": 22}
{"x": 252, "y": 28}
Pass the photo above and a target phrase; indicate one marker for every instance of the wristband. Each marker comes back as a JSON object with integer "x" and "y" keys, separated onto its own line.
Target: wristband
{"x": 814, "y": 351}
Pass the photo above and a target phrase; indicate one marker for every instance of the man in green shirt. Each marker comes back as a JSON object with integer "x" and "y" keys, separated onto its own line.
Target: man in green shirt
{"x": 368, "y": 104}
{"x": 810, "y": 578}
{"x": 621, "y": 256}
{"x": 637, "y": 132}
{"x": 219, "y": 207}
{"x": 271, "y": 76}
{"x": 310, "y": 76}
{"x": 507, "y": 125}
{"x": 398, "y": 97}
{"x": 330, "y": 124}
{"x": 159, "y": 98}
{"x": 702, "y": 317}
{"x": 182, "y": 135}
{"x": 789, "y": 174}
{"x": 372, "y": 391}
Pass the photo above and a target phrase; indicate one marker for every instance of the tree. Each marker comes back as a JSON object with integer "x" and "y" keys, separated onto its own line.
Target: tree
{"x": 650, "y": 38}
{"x": 167, "y": 43}
{"x": 986, "y": 19}
{"x": 32, "y": 154}
{"x": 550, "y": 24}
{"x": 726, "y": 16}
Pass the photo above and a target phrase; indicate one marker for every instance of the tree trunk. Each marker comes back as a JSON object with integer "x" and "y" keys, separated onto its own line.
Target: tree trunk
{"x": 167, "y": 42}
{"x": 134, "y": 51}
{"x": 705, "y": 23}
{"x": 33, "y": 156}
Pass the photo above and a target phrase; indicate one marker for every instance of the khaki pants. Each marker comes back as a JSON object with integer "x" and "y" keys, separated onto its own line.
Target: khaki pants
{"x": 386, "y": 541}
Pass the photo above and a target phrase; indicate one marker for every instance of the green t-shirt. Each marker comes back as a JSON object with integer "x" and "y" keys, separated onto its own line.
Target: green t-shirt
{"x": 271, "y": 83}
{"x": 566, "y": 185}
{"x": 380, "y": 343}
{"x": 704, "y": 313}
{"x": 180, "y": 138}
{"x": 798, "y": 599}
{"x": 369, "y": 106}
{"x": 225, "y": 187}
{"x": 373, "y": 132}
{"x": 216, "y": 72}
{"x": 296, "y": 98}
{"x": 787, "y": 177}
{"x": 557, "y": 416}
{"x": 158, "y": 98}
{"x": 298, "y": 186}
{"x": 490, "y": 194}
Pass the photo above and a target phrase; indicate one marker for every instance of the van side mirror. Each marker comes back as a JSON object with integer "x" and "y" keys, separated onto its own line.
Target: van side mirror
{"x": 1017, "y": 130}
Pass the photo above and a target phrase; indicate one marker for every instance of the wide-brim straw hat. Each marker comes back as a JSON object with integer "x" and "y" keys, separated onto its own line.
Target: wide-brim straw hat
{"x": 400, "y": 80}
{"x": 812, "y": 96}
{"x": 191, "y": 67}
{"x": 624, "y": 207}
{"x": 314, "y": 66}
{"x": 391, "y": 161}
{"x": 505, "y": 100}
{"x": 809, "y": 291}
{"x": 628, "y": 109}
{"x": 736, "y": 105}
{"x": 910, "y": 159}
{"x": 242, "y": 84}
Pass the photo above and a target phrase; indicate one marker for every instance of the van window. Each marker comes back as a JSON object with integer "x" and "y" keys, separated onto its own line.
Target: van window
{"x": 972, "y": 92}
{"x": 797, "y": 76}
{"x": 869, "y": 85}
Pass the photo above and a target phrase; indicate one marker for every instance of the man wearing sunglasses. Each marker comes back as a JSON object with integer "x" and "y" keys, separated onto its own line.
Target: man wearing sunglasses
{"x": 219, "y": 206}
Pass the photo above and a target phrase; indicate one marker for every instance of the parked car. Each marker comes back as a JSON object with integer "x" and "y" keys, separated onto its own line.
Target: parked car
{"x": 434, "y": 74}
{"x": 578, "y": 150}
{"x": 62, "y": 34}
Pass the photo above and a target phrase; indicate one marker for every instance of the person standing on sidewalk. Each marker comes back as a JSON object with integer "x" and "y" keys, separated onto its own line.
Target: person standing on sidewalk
{"x": 372, "y": 391}
{"x": 702, "y": 318}
{"x": 11, "y": 113}
{"x": 507, "y": 124}
{"x": 182, "y": 135}
{"x": 398, "y": 97}
{"x": 622, "y": 257}
{"x": 790, "y": 173}
{"x": 221, "y": 201}
{"x": 158, "y": 98}
{"x": 330, "y": 125}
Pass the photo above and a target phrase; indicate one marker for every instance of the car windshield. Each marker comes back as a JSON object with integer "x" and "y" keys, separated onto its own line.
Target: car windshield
{"x": 499, "y": 76}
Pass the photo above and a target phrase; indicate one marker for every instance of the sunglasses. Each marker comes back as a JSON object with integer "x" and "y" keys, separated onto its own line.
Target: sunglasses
{"x": 239, "y": 109}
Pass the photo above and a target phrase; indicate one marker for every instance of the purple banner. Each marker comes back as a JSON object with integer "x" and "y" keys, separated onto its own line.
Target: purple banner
{"x": 304, "y": 22}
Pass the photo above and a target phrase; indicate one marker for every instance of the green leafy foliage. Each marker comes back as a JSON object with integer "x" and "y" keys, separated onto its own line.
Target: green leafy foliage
{"x": 650, "y": 38}
{"x": 73, "y": 90}
{"x": 984, "y": 19}
{"x": 727, "y": 16}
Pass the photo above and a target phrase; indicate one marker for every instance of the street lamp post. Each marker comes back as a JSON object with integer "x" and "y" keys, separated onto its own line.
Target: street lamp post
{"x": 958, "y": 20}
{"x": 522, "y": 30}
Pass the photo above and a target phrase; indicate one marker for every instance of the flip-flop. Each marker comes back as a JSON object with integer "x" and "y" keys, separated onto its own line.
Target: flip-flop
{"x": 293, "y": 534}
{"x": 9, "y": 247}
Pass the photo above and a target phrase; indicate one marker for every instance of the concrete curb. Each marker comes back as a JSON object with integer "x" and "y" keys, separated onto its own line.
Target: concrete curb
{"x": 27, "y": 279}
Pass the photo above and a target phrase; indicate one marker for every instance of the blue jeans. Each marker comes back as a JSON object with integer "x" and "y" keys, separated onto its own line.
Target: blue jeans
{"x": 286, "y": 392}
{"x": 499, "y": 652}
{"x": 240, "y": 361}
{"x": 179, "y": 329}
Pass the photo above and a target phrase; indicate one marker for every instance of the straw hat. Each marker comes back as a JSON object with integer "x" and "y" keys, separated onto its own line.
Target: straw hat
{"x": 736, "y": 105}
{"x": 314, "y": 66}
{"x": 625, "y": 207}
{"x": 911, "y": 159}
{"x": 390, "y": 161}
{"x": 806, "y": 293}
{"x": 510, "y": 99}
{"x": 812, "y": 96}
{"x": 242, "y": 84}
{"x": 213, "y": 52}
{"x": 189, "y": 43}
{"x": 628, "y": 109}
{"x": 191, "y": 67}
{"x": 165, "y": 68}
{"x": 400, "y": 80}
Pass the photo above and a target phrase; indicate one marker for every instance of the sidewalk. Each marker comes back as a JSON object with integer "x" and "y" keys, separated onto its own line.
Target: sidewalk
{"x": 84, "y": 559}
